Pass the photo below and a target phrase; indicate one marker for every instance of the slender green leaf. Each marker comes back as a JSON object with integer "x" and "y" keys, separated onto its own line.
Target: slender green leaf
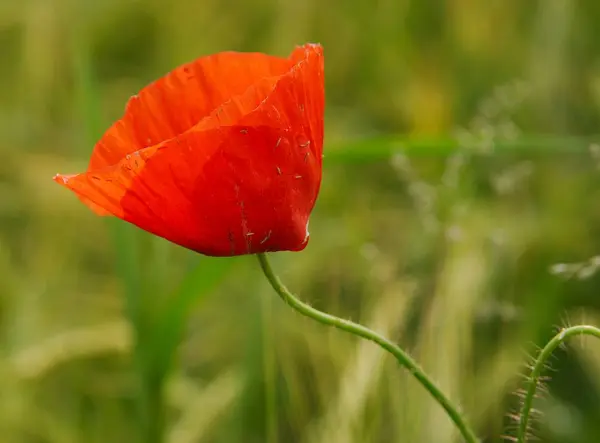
{"x": 206, "y": 275}
{"x": 377, "y": 149}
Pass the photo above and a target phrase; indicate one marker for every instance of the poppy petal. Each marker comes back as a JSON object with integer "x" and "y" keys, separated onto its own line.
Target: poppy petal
{"x": 297, "y": 101}
{"x": 176, "y": 102}
{"x": 223, "y": 199}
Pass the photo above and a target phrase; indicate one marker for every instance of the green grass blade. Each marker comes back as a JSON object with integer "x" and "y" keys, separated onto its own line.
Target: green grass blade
{"x": 376, "y": 149}
{"x": 206, "y": 275}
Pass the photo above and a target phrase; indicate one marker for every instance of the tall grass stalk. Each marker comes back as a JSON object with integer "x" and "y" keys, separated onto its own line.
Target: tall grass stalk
{"x": 150, "y": 401}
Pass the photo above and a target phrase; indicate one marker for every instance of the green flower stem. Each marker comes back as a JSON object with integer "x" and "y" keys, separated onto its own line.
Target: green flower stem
{"x": 539, "y": 366}
{"x": 353, "y": 328}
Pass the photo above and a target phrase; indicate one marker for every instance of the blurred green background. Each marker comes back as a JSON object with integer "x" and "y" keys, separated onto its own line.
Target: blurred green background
{"x": 459, "y": 216}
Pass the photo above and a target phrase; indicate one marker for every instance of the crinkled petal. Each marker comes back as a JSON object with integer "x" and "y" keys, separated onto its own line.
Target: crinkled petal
{"x": 178, "y": 101}
{"x": 247, "y": 190}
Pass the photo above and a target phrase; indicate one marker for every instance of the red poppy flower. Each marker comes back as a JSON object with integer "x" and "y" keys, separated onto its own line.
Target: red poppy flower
{"x": 222, "y": 155}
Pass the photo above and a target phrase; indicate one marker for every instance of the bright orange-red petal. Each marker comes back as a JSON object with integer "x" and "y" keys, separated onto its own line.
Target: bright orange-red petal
{"x": 174, "y": 103}
{"x": 243, "y": 180}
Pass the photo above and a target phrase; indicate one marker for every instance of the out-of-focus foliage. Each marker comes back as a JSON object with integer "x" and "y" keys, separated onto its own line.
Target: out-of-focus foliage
{"x": 454, "y": 254}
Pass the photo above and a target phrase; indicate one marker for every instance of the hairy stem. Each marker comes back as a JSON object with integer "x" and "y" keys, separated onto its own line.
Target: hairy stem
{"x": 538, "y": 367}
{"x": 353, "y": 328}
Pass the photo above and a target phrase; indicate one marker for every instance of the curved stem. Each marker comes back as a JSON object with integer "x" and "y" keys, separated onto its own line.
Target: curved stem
{"x": 353, "y": 328}
{"x": 538, "y": 367}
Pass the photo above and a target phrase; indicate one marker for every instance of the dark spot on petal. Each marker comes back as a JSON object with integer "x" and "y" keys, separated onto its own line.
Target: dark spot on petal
{"x": 231, "y": 243}
{"x": 267, "y": 237}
